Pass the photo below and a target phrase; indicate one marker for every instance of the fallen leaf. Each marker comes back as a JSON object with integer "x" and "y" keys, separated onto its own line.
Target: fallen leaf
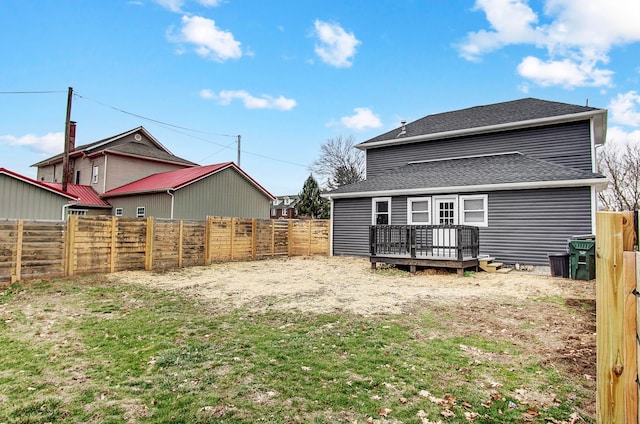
{"x": 467, "y": 405}
{"x": 403, "y": 400}
{"x": 447, "y": 413}
{"x": 383, "y": 412}
{"x": 471, "y": 416}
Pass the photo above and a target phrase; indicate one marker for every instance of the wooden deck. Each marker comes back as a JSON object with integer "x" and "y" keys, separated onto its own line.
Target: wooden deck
{"x": 429, "y": 246}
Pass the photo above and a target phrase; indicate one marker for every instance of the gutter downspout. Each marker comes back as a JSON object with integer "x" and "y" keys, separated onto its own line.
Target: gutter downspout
{"x": 64, "y": 211}
{"x": 172, "y": 201}
{"x": 104, "y": 182}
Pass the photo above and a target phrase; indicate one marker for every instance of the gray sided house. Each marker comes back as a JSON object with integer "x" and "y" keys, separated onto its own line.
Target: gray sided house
{"x": 193, "y": 193}
{"x": 23, "y": 197}
{"x": 523, "y": 171}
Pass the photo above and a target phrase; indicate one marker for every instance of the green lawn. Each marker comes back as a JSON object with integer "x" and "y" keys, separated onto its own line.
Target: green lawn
{"x": 90, "y": 350}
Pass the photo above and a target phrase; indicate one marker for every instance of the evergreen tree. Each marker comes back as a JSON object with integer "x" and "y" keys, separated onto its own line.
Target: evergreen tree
{"x": 310, "y": 204}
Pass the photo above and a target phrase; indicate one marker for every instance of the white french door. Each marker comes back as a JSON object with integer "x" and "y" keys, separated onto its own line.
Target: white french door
{"x": 445, "y": 212}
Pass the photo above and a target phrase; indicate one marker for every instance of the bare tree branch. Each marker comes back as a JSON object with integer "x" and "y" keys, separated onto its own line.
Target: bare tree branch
{"x": 622, "y": 168}
{"x": 340, "y": 163}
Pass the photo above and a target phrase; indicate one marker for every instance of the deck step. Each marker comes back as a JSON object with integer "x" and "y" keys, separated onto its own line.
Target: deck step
{"x": 490, "y": 266}
{"x": 504, "y": 270}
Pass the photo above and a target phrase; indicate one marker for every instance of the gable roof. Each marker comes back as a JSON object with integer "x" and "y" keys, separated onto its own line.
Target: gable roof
{"x": 514, "y": 114}
{"x": 175, "y": 180}
{"x": 132, "y": 148}
{"x": 36, "y": 183}
{"x": 509, "y": 171}
{"x": 86, "y": 195}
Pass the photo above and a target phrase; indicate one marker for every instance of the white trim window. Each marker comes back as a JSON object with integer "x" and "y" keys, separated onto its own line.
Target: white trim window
{"x": 119, "y": 211}
{"x": 78, "y": 212}
{"x": 96, "y": 172}
{"x": 474, "y": 210}
{"x": 381, "y": 211}
{"x": 419, "y": 210}
{"x": 140, "y": 212}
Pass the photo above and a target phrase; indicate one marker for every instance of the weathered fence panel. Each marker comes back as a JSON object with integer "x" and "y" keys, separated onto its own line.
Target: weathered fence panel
{"x": 39, "y": 249}
{"x": 31, "y": 249}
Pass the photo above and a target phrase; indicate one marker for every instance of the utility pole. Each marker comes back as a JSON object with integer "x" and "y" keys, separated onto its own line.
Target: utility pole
{"x": 238, "y": 150}
{"x": 67, "y": 136}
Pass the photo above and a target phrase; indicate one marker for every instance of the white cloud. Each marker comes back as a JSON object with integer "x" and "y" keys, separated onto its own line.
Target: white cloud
{"x": 225, "y": 97}
{"x": 620, "y": 138}
{"x": 205, "y": 93}
{"x": 50, "y": 144}
{"x": 336, "y": 47}
{"x": 362, "y": 119}
{"x": 176, "y": 5}
{"x": 210, "y": 42}
{"x": 564, "y": 72}
{"x": 577, "y": 36}
{"x": 624, "y": 109}
{"x": 172, "y": 5}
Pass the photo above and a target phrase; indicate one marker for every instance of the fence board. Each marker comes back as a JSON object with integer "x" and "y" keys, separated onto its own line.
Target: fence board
{"x": 41, "y": 249}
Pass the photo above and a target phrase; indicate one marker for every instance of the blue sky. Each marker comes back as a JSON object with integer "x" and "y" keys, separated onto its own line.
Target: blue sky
{"x": 288, "y": 75}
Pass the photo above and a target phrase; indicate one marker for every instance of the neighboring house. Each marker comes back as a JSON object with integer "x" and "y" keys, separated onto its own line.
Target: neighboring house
{"x": 112, "y": 162}
{"x": 523, "y": 171}
{"x": 192, "y": 193}
{"x": 88, "y": 201}
{"x": 23, "y": 197}
{"x": 284, "y": 207}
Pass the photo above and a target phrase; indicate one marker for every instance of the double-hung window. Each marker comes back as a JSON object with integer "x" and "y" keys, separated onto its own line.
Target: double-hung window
{"x": 96, "y": 171}
{"x": 419, "y": 210}
{"x": 381, "y": 211}
{"x": 473, "y": 210}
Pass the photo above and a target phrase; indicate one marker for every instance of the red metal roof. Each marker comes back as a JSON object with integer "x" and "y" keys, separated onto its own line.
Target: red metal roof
{"x": 174, "y": 180}
{"x": 40, "y": 184}
{"x": 86, "y": 195}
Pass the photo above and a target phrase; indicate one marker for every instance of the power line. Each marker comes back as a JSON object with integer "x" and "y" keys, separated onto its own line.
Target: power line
{"x": 149, "y": 119}
{"x": 32, "y": 92}
{"x": 175, "y": 128}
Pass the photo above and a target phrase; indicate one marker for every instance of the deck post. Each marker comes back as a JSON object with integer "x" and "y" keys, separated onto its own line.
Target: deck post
{"x": 459, "y": 242}
{"x": 412, "y": 240}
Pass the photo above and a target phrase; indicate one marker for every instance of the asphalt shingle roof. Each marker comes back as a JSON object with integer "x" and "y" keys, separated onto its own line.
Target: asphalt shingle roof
{"x": 491, "y": 170}
{"x": 483, "y": 116}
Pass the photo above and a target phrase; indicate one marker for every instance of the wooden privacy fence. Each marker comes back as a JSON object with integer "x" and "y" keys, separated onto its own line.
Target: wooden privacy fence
{"x": 617, "y": 317}
{"x": 44, "y": 249}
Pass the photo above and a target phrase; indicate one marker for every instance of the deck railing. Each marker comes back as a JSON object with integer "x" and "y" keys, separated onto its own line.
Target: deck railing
{"x": 425, "y": 241}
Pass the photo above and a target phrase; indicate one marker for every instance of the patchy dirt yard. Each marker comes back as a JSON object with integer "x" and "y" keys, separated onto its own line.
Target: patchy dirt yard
{"x": 553, "y": 318}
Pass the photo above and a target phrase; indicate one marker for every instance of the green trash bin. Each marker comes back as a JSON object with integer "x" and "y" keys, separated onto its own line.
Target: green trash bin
{"x": 582, "y": 259}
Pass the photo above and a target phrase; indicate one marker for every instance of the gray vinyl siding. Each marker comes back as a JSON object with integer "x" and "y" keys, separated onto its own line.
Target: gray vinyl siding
{"x": 524, "y": 225}
{"x": 225, "y": 193}
{"x": 22, "y": 200}
{"x": 157, "y": 205}
{"x": 565, "y": 144}
{"x": 351, "y": 220}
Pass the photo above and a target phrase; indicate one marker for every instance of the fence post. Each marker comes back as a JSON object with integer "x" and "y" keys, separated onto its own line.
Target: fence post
{"x": 630, "y": 339}
{"x": 148, "y": 248}
{"x": 636, "y": 342}
{"x": 70, "y": 266}
{"x": 254, "y": 237}
{"x": 207, "y": 240}
{"x": 17, "y": 275}
{"x": 112, "y": 254}
{"x": 290, "y": 238}
{"x": 180, "y": 235}
{"x": 273, "y": 238}
{"x": 232, "y": 237}
{"x": 609, "y": 318}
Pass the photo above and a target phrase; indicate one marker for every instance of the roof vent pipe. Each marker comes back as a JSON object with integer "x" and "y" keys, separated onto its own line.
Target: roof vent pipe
{"x": 403, "y": 130}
